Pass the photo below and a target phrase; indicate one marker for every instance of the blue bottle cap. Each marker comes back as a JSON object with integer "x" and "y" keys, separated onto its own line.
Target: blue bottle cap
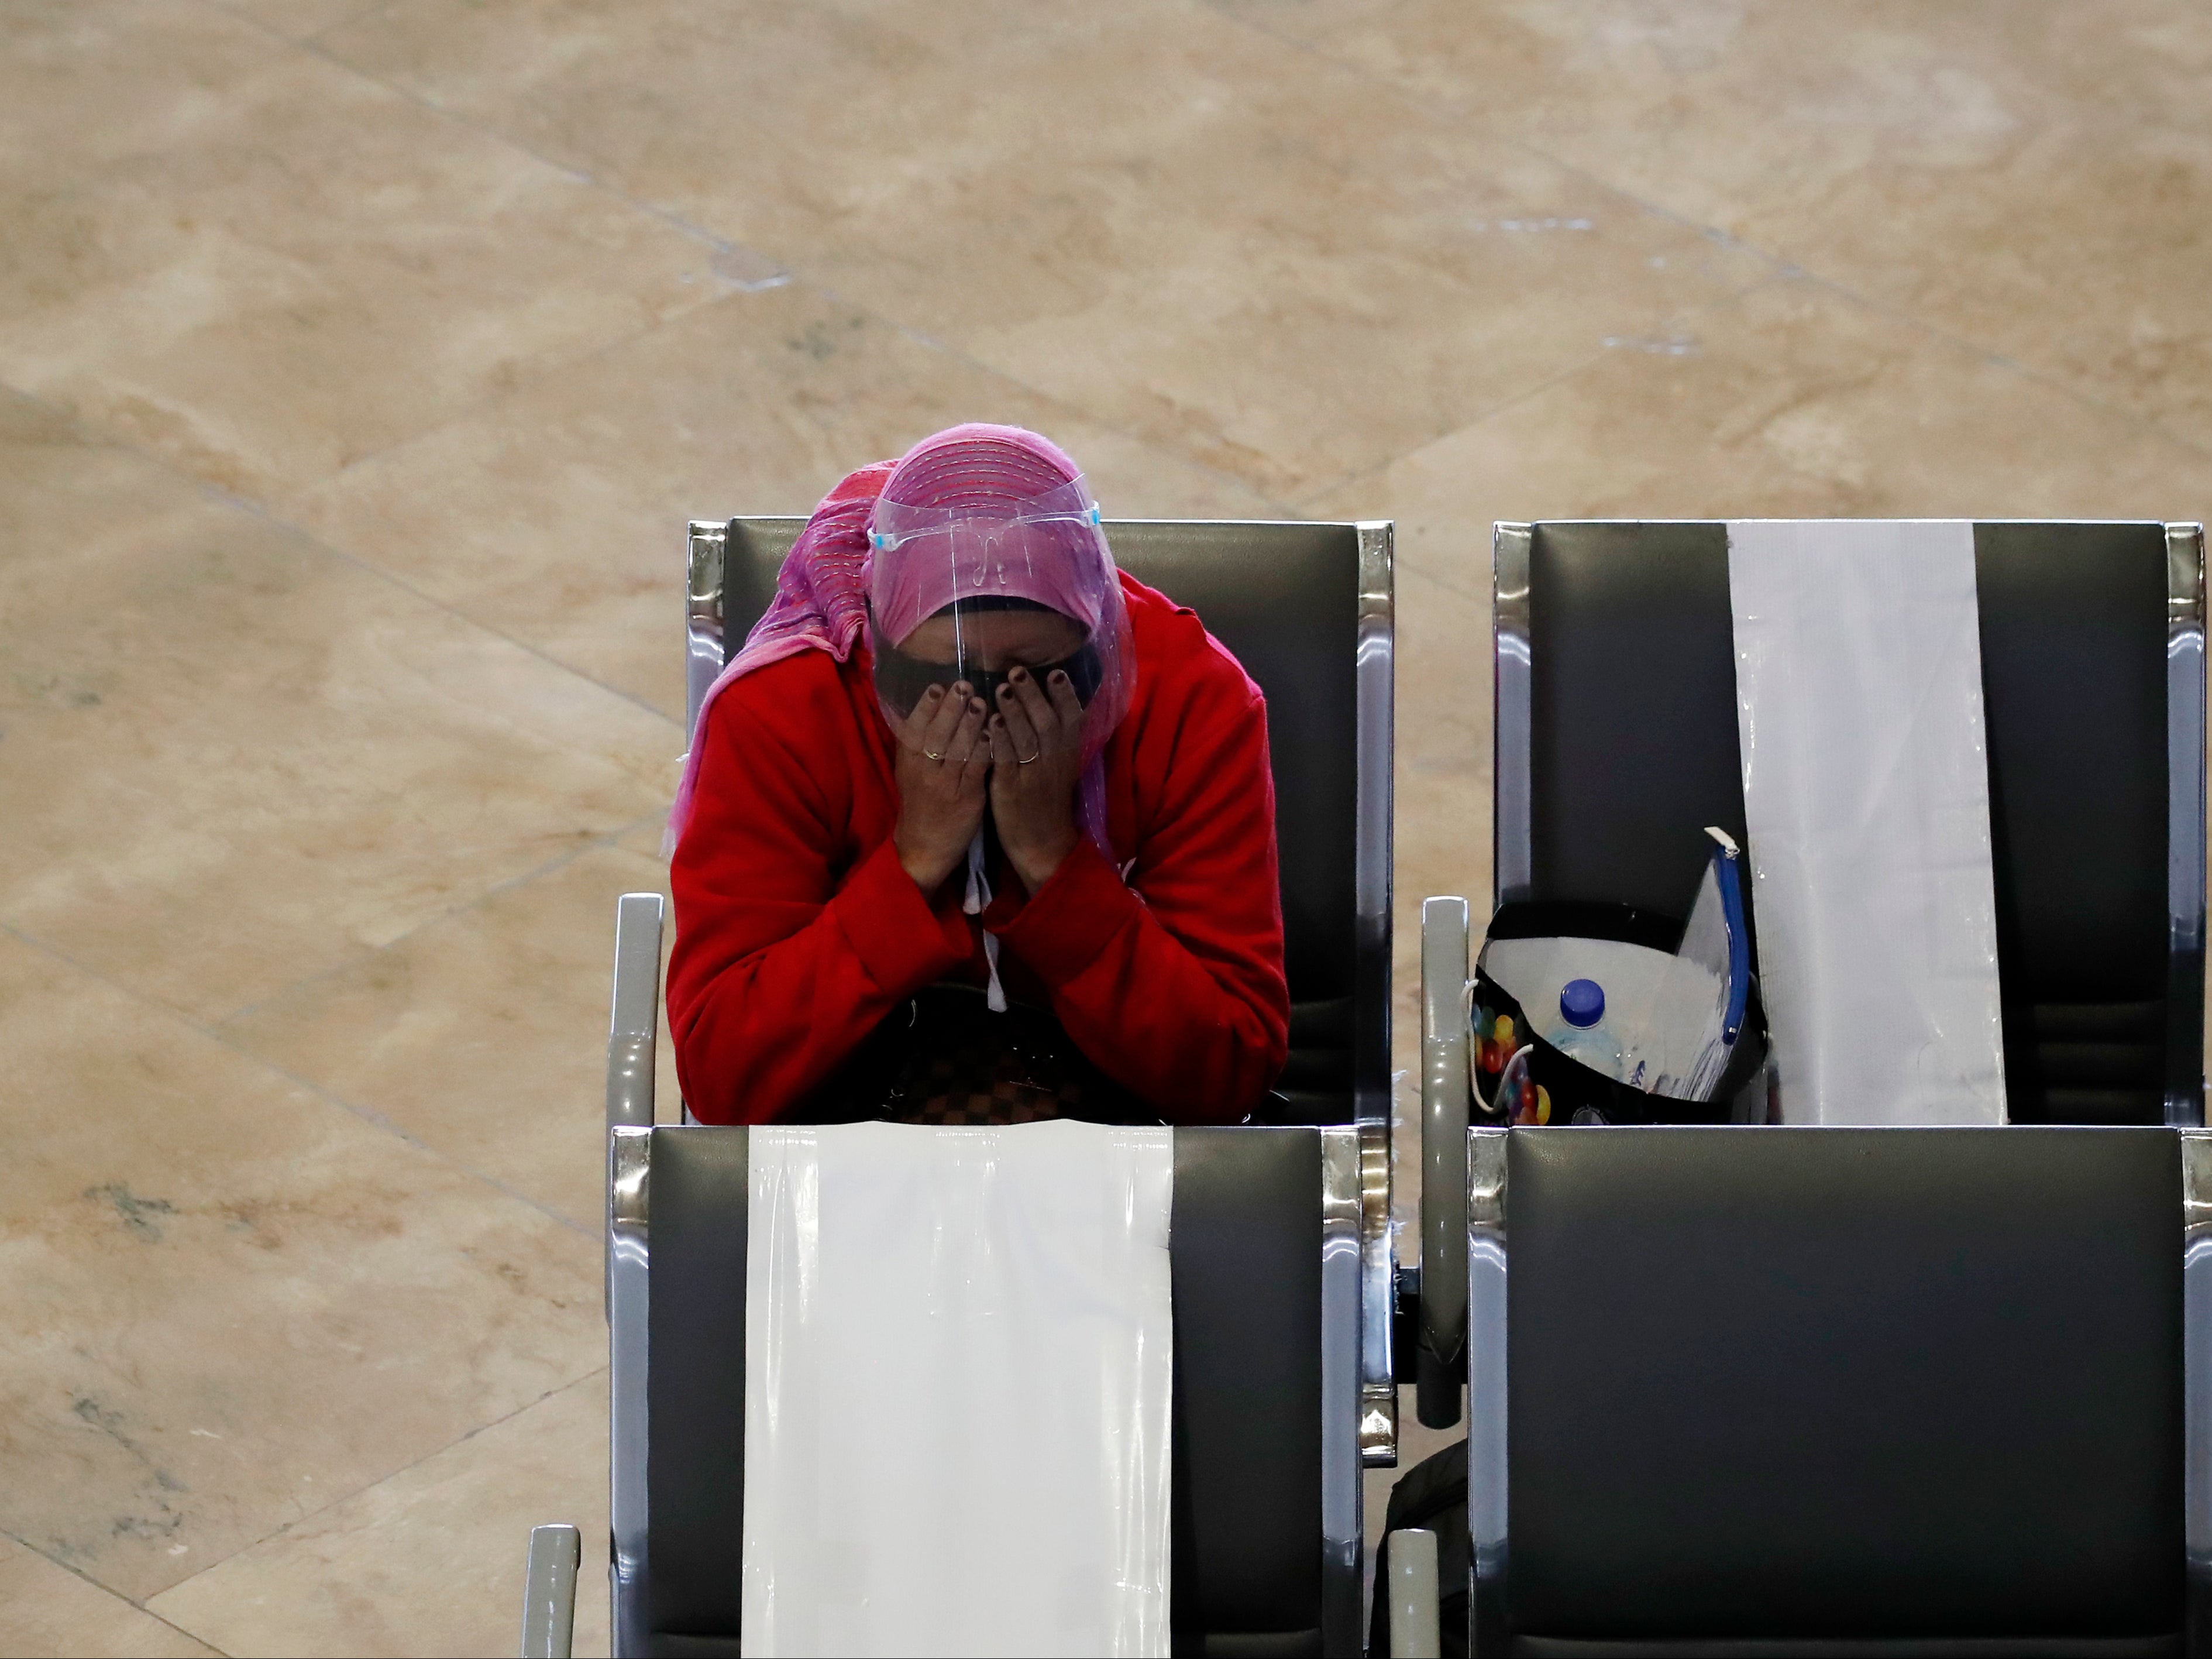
{"x": 1582, "y": 1002}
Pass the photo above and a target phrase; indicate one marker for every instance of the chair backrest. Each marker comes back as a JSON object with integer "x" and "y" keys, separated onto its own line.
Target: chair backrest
{"x": 1616, "y": 742}
{"x": 1266, "y": 1464}
{"x": 1804, "y": 1385}
{"x": 1307, "y": 609}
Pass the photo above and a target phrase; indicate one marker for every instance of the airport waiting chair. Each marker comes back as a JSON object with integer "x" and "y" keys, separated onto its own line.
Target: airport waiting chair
{"x": 1266, "y": 1252}
{"x": 1875, "y": 1392}
{"x": 1616, "y": 743}
{"x": 1307, "y": 609}
{"x": 1615, "y": 734}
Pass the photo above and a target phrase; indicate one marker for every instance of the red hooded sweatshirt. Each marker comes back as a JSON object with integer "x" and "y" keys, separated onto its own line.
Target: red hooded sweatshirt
{"x": 798, "y": 930}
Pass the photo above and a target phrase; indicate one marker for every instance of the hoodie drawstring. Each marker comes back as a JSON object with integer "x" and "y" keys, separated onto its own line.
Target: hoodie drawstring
{"x": 979, "y": 895}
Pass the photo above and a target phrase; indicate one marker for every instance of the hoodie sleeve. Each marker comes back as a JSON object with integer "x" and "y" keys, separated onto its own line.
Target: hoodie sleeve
{"x": 1172, "y": 981}
{"x": 783, "y": 962}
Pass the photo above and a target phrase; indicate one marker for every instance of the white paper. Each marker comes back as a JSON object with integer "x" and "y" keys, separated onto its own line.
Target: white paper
{"x": 958, "y": 1386}
{"x": 1866, "y": 793}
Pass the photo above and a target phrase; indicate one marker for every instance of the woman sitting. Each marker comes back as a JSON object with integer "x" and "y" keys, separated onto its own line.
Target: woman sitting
{"x": 975, "y": 827}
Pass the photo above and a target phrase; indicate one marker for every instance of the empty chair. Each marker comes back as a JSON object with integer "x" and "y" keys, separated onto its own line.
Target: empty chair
{"x": 1616, "y": 743}
{"x": 1282, "y": 1271}
{"x": 1307, "y": 609}
{"x": 1838, "y": 1391}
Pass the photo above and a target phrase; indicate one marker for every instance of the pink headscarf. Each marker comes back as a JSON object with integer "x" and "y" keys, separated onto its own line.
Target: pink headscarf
{"x": 822, "y": 591}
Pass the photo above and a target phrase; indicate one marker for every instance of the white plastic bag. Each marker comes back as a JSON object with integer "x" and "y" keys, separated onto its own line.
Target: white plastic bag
{"x": 957, "y": 1389}
{"x": 1662, "y": 1008}
{"x": 1866, "y": 794}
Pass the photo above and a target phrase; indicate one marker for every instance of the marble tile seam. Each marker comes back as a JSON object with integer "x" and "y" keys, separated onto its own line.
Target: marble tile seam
{"x": 800, "y": 283}
{"x": 312, "y": 48}
{"x": 328, "y": 1096}
{"x": 1303, "y": 506}
{"x": 374, "y": 8}
{"x": 773, "y": 276}
{"x": 463, "y": 413}
{"x": 1786, "y": 269}
{"x": 270, "y": 514}
{"x": 1405, "y": 96}
{"x": 1782, "y": 264}
{"x": 1503, "y": 405}
{"x": 86, "y": 1579}
{"x": 582, "y": 1380}
{"x": 789, "y": 271}
{"x": 360, "y": 13}
{"x": 929, "y": 342}
{"x": 264, "y": 511}
{"x": 582, "y": 294}
{"x": 1423, "y": 573}
{"x": 589, "y": 845}
{"x": 777, "y": 273}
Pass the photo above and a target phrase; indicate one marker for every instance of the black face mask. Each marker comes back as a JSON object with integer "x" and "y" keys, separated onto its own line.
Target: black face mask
{"x": 903, "y": 679}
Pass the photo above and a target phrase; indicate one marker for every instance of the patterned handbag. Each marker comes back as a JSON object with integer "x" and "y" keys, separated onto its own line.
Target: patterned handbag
{"x": 943, "y": 1056}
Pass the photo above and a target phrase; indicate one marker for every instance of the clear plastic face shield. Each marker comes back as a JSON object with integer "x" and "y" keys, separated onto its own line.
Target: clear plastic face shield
{"x": 973, "y": 593}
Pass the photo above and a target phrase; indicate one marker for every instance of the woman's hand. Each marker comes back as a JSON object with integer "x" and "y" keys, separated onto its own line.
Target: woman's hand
{"x": 1036, "y": 740}
{"x": 944, "y": 759}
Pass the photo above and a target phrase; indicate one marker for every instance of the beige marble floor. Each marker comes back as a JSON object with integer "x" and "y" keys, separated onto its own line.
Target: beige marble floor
{"x": 358, "y": 363}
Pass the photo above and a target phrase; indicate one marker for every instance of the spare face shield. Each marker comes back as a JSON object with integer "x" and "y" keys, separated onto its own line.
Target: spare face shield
{"x": 978, "y": 570}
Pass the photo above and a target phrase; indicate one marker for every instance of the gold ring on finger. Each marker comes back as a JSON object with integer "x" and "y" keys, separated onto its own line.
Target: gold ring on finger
{"x": 1024, "y": 759}
{"x": 933, "y": 755}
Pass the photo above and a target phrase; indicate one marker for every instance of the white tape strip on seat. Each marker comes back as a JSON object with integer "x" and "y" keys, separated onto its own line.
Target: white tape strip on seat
{"x": 957, "y": 1389}
{"x": 1866, "y": 793}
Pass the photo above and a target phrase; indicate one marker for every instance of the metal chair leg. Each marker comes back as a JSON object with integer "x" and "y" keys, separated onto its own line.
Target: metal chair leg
{"x": 1438, "y": 1357}
{"x": 1415, "y": 1623}
{"x": 549, "y": 1596}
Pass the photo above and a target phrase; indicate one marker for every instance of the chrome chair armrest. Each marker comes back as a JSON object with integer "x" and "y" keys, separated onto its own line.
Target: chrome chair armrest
{"x": 1379, "y": 1300}
{"x": 1444, "y": 1089}
{"x": 549, "y": 1595}
{"x": 1487, "y": 1472}
{"x": 2197, "y": 1377}
{"x": 2184, "y": 775}
{"x": 1416, "y": 1627}
{"x": 1342, "y": 1519}
{"x": 634, "y": 1030}
{"x": 635, "y": 1025}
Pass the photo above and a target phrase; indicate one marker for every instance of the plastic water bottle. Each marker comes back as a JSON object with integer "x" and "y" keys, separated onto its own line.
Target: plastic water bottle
{"x": 1581, "y": 1034}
